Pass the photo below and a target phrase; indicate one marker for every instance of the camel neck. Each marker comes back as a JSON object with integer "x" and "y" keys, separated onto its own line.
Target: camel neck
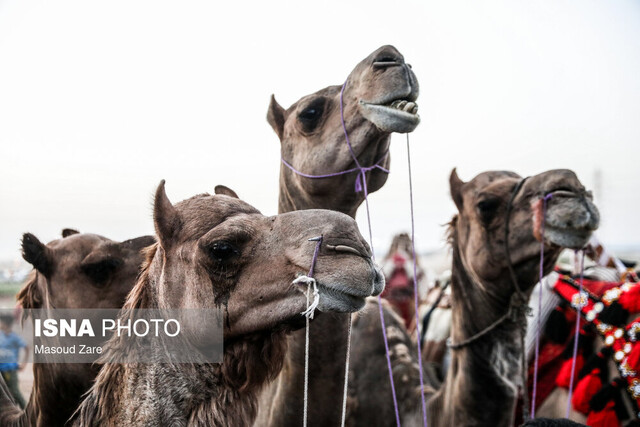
{"x": 482, "y": 384}
{"x": 291, "y": 199}
{"x": 327, "y": 347}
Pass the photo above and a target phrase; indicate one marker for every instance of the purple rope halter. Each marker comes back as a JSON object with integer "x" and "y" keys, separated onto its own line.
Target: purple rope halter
{"x": 576, "y": 337}
{"x": 318, "y": 241}
{"x": 538, "y": 325}
{"x": 373, "y": 256}
{"x": 361, "y": 186}
{"x": 361, "y": 171}
{"x": 415, "y": 287}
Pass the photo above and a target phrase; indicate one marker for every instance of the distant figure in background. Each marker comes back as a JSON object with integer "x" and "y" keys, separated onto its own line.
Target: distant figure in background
{"x": 10, "y": 345}
{"x": 397, "y": 268}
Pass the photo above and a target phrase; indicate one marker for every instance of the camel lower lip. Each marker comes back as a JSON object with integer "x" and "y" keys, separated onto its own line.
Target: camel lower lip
{"x": 390, "y": 119}
{"x": 387, "y": 109}
{"x": 332, "y": 299}
{"x": 567, "y": 237}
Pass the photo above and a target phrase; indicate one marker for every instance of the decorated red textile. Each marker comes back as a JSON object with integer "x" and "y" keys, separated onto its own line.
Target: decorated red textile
{"x": 563, "y": 379}
{"x": 586, "y": 388}
{"x": 622, "y": 342}
{"x": 605, "y": 418}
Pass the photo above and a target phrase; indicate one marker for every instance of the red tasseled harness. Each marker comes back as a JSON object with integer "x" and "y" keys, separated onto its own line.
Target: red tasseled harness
{"x": 606, "y": 306}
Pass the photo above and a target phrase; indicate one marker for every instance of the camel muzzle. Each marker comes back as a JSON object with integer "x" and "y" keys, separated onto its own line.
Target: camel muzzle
{"x": 571, "y": 219}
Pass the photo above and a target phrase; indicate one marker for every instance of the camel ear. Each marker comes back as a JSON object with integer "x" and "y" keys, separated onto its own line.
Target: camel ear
{"x": 455, "y": 187}
{"x": 165, "y": 217}
{"x": 36, "y": 254}
{"x": 275, "y": 117}
{"x": 69, "y": 232}
{"x": 225, "y": 191}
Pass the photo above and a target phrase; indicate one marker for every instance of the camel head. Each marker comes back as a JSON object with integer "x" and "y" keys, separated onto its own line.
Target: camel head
{"x": 379, "y": 98}
{"x": 216, "y": 250}
{"x": 80, "y": 270}
{"x": 479, "y": 228}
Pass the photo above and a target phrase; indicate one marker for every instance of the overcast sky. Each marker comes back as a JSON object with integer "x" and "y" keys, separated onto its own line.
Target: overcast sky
{"x": 99, "y": 101}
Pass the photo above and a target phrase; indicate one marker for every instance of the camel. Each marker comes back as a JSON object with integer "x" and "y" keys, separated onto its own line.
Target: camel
{"x": 481, "y": 387}
{"x": 218, "y": 251}
{"x": 379, "y": 98}
{"x": 81, "y": 270}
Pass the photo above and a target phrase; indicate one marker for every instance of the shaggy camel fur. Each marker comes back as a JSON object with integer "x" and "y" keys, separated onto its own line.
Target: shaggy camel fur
{"x": 80, "y": 270}
{"x": 219, "y": 251}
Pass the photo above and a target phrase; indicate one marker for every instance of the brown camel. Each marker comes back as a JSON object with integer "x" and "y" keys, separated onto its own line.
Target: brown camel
{"x": 481, "y": 387}
{"x": 81, "y": 270}
{"x": 218, "y": 250}
{"x": 379, "y": 98}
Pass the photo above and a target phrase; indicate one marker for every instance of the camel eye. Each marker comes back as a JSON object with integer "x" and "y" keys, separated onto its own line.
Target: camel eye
{"x": 222, "y": 251}
{"x": 487, "y": 209}
{"x": 100, "y": 271}
{"x": 310, "y": 116}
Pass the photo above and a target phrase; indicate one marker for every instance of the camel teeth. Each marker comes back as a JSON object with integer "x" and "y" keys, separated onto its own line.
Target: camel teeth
{"x": 404, "y": 105}
{"x": 408, "y": 107}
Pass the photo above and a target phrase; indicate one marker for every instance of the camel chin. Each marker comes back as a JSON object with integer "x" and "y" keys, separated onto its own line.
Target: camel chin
{"x": 340, "y": 303}
{"x": 399, "y": 116}
{"x": 343, "y": 299}
{"x": 566, "y": 237}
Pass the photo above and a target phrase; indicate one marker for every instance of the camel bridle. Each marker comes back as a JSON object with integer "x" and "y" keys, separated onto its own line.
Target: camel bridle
{"x": 518, "y": 307}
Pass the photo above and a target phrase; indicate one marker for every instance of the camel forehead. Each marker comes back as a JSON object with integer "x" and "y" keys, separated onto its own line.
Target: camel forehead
{"x": 78, "y": 243}
{"x": 491, "y": 179}
{"x": 201, "y": 213}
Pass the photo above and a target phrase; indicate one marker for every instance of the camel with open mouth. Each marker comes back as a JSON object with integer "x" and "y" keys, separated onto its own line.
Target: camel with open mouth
{"x": 378, "y": 98}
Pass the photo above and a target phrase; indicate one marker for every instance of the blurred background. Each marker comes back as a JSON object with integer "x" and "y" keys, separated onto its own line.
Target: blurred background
{"x": 99, "y": 101}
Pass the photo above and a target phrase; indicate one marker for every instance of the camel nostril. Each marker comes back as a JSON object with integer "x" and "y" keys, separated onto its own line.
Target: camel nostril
{"x": 387, "y": 61}
{"x": 344, "y": 248}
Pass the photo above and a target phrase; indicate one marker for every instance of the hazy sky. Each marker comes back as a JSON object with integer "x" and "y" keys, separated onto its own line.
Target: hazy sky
{"x": 101, "y": 100}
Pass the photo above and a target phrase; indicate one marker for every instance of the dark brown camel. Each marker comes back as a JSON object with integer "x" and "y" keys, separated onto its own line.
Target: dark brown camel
{"x": 198, "y": 240}
{"x": 80, "y": 270}
{"x": 481, "y": 387}
{"x": 379, "y": 98}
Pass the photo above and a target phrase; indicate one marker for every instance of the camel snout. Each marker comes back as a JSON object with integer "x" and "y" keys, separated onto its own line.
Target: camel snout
{"x": 378, "y": 281}
{"x": 571, "y": 219}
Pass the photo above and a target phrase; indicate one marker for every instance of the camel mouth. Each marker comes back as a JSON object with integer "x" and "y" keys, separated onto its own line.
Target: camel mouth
{"x": 564, "y": 237}
{"x": 404, "y": 105}
{"x": 340, "y": 298}
{"x": 398, "y": 115}
{"x": 571, "y": 220}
